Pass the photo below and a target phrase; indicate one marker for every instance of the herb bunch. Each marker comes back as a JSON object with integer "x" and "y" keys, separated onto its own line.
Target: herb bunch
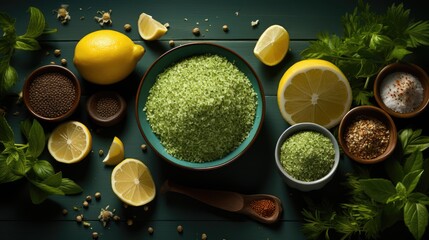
{"x": 10, "y": 41}
{"x": 375, "y": 203}
{"x": 369, "y": 42}
{"x": 18, "y": 161}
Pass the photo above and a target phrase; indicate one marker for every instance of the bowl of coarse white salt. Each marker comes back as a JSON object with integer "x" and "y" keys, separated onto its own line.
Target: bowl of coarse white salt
{"x": 402, "y": 89}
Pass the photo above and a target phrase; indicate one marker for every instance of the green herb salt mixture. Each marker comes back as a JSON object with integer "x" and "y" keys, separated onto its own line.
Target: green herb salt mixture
{"x": 307, "y": 155}
{"x": 201, "y": 108}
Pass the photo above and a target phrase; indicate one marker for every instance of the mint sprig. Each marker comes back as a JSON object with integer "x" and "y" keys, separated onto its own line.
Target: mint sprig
{"x": 19, "y": 161}
{"x": 10, "y": 42}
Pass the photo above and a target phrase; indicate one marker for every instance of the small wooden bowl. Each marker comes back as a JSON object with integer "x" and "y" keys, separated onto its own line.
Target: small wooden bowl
{"x": 412, "y": 69}
{"x": 369, "y": 112}
{"x": 47, "y": 94}
{"x": 112, "y": 118}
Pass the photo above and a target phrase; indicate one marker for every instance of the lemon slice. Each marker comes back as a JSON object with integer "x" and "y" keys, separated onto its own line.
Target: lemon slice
{"x": 314, "y": 90}
{"x": 149, "y": 28}
{"x": 115, "y": 154}
{"x": 272, "y": 45}
{"x": 70, "y": 142}
{"x": 132, "y": 182}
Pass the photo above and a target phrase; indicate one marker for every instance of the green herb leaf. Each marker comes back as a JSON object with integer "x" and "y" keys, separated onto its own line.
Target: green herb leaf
{"x": 26, "y": 43}
{"x": 413, "y": 162}
{"x": 43, "y": 169}
{"x": 413, "y": 141}
{"x": 378, "y": 189}
{"x": 6, "y": 21}
{"x": 417, "y": 197}
{"x": 9, "y": 77}
{"x": 6, "y": 171}
{"x": 36, "y": 25}
{"x": 37, "y": 195}
{"x": 6, "y": 133}
{"x": 68, "y": 186}
{"x": 25, "y": 127}
{"x": 411, "y": 180}
{"x": 416, "y": 218}
{"x": 36, "y": 139}
{"x": 394, "y": 170}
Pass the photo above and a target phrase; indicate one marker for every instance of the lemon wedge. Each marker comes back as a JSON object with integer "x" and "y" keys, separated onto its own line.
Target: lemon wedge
{"x": 115, "y": 154}
{"x": 149, "y": 28}
{"x": 272, "y": 45}
{"x": 132, "y": 182}
{"x": 70, "y": 142}
{"x": 314, "y": 90}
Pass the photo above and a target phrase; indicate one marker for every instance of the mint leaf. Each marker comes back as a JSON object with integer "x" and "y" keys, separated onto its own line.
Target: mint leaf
{"x": 26, "y": 43}
{"x": 36, "y": 139}
{"x": 43, "y": 169}
{"x": 416, "y": 218}
{"x": 37, "y": 23}
{"x": 411, "y": 180}
{"x": 6, "y": 133}
{"x": 378, "y": 189}
{"x": 69, "y": 187}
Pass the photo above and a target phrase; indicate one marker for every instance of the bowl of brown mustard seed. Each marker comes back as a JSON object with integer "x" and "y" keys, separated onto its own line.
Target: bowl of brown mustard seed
{"x": 367, "y": 134}
{"x": 106, "y": 108}
{"x": 51, "y": 93}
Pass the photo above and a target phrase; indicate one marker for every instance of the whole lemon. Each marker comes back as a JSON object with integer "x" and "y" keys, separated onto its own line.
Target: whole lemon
{"x": 106, "y": 56}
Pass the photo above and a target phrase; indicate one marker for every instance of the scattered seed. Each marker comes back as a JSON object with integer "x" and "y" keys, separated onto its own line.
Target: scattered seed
{"x": 167, "y": 25}
{"x": 88, "y": 198}
{"x": 236, "y": 13}
{"x": 203, "y": 236}
{"x": 116, "y": 218}
{"x": 97, "y": 195}
{"x": 146, "y": 208}
{"x": 95, "y": 235}
{"x": 127, "y": 27}
{"x": 53, "y": 63}
{"x": 86, "y": 224}
{"x": 129, "y": 222}
{"x": 225, "y": 28}
{"x": 150, "y": 230}
{"x": 15, "y": 113}
{"x": 64, "y": 62}
{"x": 82, "y": 18}
{"x": 196, "y": 31}
{"x": 206, "y": 20}
{"x": 171, "y": 43}
{"x": 143, "y": 147}
{"x": 65, "y": 211}
{"x": 180, "y": 229}
{"x": 79, "y": 218}
{"x": 185, "y": 19}
{"x": 254, "y": 23}
{"x": 85, "y": 204}
{"x": 100, "y": 152}
{"x": 75, "y": 208}
{"x": 57, "y": 52}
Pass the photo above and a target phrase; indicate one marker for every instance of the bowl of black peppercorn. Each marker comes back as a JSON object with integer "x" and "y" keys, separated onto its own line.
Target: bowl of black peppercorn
{"x": 51, "y": 93}
{"x": 106, "y": 108}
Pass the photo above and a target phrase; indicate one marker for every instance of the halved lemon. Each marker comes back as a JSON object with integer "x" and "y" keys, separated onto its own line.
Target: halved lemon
{"x": 132, "y": 182}
{"x": 149, "y": 28}
{"x": 70, "y": 142}
{"x": 314, "y": 90}
{"x": 115, "y": 154}
{"x": 272, "y": 45}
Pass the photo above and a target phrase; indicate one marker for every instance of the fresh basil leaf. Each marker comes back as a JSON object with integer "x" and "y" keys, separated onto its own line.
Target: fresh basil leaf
{"x": 413, "y": 162}
{"x": 416, "y": 219}
{"x": 53, "y": 180}
{"x": 401, "y": 190}
{"x": 26, "y": 43}
{"x": 9, "y": 77}
{"x": 50, "y": 190}
{"x": 378, "y": 189}
{"x": 411, "y": 180}
{"x": 404, "y": 137}
{"x": 37, "y": 195}
{"x": 398, "y": 53}
{"x": 37, "y": 23}
{"x": 68, "y": 186}
{"x": 25, "y": 128}
{"x": 417, "y": 197}
{"x": 394, "y": 170}
{"x": 6, "y": 21}
{"x": 36, "y": 139}
{"x": 6, "y": 133}
{"x": 43, "y": 169}
{"x": 6, "y": 171}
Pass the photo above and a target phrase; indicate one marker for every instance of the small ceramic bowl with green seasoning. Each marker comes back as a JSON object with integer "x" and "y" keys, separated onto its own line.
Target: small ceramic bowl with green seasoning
{"x": 367, "y": 134}
{"x": 307, "y": 156}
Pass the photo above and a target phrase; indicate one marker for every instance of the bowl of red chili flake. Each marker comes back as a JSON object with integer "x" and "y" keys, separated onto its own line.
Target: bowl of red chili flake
{"x": 51, "y": 93}
{"x": 367, "y": 134}
{"x": 402, "y": 89}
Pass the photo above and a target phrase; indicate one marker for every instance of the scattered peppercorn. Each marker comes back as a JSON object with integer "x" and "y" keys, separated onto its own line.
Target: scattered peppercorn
{"x": 100, "y": 152}
{"x": 97, "y": 195}
{"x": 116, "y": 218}
{"x": 203, "y": 236}
{"x": 57, "y": 52}
{"x": 150, "y": 230}
{"x": 129, "y": 222}
{"x": 196, "y": 31}
{"x": 367, "y": 138}
{"x": 65, "y": 211}
{"x": 143, "y": 147}
{"x": 85, "y": 204}
{"x": 225, "y": 28}
{"x": 79, "y": 218}
{"x": 180, "y": 229}
{"x": 95, "y": 235}
{"x": 51, "y": 94}
{"x": 88, "y": 198}
{"x": 171, "y": 43}
{"x": 64, "y": 62}
{"x": 127, "y": 27}
{"x": 263, "y": 207}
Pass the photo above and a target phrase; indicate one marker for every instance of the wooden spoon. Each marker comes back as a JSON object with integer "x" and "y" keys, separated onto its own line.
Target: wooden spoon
{"x": 228, "y": 201}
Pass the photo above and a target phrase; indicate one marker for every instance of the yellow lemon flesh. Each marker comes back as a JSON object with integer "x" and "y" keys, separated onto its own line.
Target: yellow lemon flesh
{"x": 132, "y": 182}
{"x": 149, "y": 28}
{"x": 115, "y": 154}
{"x": 106, "y": 56}
{"x": 70, "y": 142}
{"x": 272, "y": 45}
{"x": 316, "y": 91}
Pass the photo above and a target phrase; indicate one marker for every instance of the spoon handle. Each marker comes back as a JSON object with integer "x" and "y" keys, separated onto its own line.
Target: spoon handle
{"x": 229, "y": 201}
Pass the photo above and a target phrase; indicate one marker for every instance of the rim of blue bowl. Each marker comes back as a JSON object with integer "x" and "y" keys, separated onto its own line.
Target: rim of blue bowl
{"x": 174, "y": 55}
{"x": 307, "y": 126}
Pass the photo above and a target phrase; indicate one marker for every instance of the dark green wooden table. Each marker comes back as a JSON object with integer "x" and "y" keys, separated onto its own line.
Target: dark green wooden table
{"x": 255, "y": 172}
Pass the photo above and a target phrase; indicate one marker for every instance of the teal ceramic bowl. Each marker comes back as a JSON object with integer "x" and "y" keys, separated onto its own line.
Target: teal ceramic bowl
{"x": 175, "y": 55}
